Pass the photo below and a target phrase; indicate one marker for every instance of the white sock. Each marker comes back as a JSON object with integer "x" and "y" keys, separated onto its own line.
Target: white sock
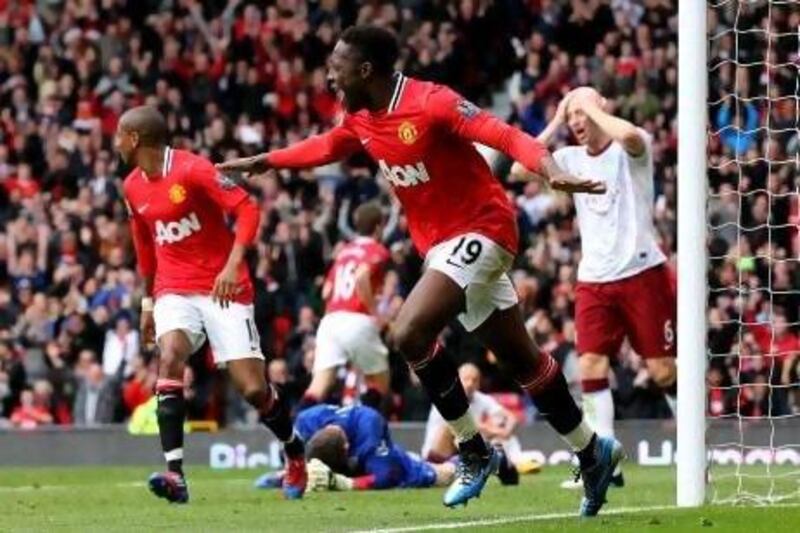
{"x": 175, "y": 454}
{"x": 463, "y": 427}
{"x": 598, "y": 408}
{"x": 580, "y": 437}
{"x": 672, "y": 401}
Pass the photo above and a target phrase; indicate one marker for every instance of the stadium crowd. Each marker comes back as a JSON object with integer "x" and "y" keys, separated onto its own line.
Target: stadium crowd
{"x": 754, "y": 212}
{"x": 239, "y": 77}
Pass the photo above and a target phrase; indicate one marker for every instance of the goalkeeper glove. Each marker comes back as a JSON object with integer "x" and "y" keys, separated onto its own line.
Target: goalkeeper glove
{"x": 321, "y": 477}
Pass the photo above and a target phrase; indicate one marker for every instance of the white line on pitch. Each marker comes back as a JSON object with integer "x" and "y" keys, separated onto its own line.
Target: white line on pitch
{"x": 514, "y": 519}
{"x": 532, "y": 518}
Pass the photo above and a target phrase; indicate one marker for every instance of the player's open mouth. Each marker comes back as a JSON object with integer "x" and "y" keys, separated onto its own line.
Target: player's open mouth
{"x": 333, "y": 87}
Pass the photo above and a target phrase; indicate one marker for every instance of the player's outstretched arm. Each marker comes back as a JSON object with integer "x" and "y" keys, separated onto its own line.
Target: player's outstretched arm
{"x": 622, "y": 131}
{"x": 255, "y": 164}
{"x": 556, "y": 177}
{"x": 469, "y": 122}
{"x": 561, "y": 180}
{"x": 518, "y": 171}
{"x": 315, "y": 151}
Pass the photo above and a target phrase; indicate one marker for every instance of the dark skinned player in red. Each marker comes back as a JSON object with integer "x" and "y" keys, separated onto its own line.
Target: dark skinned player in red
{"x": 421, "y": 135}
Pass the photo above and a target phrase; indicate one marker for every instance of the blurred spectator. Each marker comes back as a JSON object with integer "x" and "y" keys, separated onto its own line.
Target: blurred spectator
{"x": 121, "y": 347}
{"x": 97, "y": 398}
{"x": 12, "y": 379}
{"x": 30, "y": 414}
{"x": 58, "y": 408}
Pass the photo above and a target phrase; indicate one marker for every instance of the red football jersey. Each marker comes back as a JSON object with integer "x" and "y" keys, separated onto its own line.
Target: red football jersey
{"x": 423, "y": 145}
{"x": 179, "y": 225}
{"x": 363, "y": 251}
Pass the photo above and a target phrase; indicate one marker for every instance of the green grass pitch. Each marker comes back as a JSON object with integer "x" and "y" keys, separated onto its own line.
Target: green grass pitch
{"x": 115, "y": 499}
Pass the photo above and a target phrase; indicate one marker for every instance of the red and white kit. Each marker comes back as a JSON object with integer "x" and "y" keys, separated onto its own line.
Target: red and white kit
{"x": 624, "y": 287}
{"x": 459, "y": 216}
{"x": 181, "y": 235}
{"x": 348, "y": 331}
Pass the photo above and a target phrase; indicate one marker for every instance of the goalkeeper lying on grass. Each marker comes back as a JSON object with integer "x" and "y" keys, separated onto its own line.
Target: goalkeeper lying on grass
{"x": 350, "y": 448}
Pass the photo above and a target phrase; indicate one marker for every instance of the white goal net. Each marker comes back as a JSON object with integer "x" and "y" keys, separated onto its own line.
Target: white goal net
{"x": 753, "y": 366}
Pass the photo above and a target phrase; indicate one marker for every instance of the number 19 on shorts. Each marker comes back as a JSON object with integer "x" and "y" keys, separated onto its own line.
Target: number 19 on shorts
{"x": 465, "y": 252}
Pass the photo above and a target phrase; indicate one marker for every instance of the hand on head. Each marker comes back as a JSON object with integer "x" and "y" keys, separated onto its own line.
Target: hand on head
{"x": 583, "y": 96}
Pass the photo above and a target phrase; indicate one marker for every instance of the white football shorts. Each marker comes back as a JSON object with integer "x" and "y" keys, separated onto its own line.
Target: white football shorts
{"x": 231, "y": 331}
{"x": 480, "y": 266}
{"x": 345, "y": 336}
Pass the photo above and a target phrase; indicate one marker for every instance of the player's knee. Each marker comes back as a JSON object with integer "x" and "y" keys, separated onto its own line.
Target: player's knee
{"x": 173, "y": 352}
{"x": 411, "y": 341}
{"x": 255, "y": 394}
{"x": 171, "y": 363}
{"x": 593, "y": 366}
{"x": 662, "y": 371}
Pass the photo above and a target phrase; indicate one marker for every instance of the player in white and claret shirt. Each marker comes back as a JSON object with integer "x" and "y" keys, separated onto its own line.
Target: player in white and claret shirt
{"x": 624, "y": 287}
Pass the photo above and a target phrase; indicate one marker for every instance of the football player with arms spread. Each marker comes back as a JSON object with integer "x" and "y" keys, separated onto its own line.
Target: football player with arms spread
{"x": 421, "y": 134}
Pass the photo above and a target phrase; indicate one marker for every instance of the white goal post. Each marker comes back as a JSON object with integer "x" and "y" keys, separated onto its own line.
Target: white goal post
{"x": 692, "y": 263}
{"x": 738, "y": 416}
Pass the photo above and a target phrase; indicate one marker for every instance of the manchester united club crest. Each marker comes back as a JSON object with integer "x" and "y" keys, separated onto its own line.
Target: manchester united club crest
{"x": 407, "y": 133}
{"x": 177, "y": 194}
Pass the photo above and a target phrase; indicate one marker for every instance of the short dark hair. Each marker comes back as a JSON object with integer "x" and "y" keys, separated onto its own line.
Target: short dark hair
{"x": 148, "y": 122}
{"x": 377, "y": 46}
{"x": 329, "y": 446}
{"x": 367, "y": 217}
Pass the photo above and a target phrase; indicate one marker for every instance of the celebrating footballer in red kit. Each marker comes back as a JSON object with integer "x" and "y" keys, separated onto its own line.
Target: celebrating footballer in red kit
{"x": 421, "y": 135}
{"x": 350, "y": 331}
{"x": 197, "y": 287}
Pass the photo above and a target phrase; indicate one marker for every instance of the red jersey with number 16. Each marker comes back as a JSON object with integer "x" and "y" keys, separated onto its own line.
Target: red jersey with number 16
{"x": 423, "y": 145}
{"x": 363, "y": 252}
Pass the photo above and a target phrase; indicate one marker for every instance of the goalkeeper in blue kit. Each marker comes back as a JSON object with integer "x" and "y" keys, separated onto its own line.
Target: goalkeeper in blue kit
{"x": 350, "y": 448}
